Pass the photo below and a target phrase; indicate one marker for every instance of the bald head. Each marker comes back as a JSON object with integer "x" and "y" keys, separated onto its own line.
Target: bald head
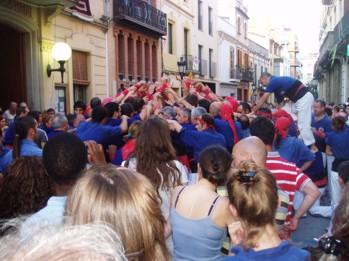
{"x": 251, "y": 148}
{"x": 214, "y": 108}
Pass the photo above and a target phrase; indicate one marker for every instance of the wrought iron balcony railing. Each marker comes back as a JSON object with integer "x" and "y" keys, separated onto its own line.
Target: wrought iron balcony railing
{"x": 141, "y": 13}
{"x": 245, "y": 74}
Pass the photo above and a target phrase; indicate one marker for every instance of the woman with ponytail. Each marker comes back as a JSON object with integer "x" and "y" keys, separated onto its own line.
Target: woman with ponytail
{"x": 199, "y": 216}
{"x": 253, "y": 201}
{"x": 24, "y": 142}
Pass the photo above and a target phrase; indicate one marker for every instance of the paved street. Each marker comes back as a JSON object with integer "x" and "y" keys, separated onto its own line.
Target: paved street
{"x": 309, "y": 228}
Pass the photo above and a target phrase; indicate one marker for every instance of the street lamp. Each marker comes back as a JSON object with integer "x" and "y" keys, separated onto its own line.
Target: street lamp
{"x": 181, "y": 67}
{"x": 61, "y": 52}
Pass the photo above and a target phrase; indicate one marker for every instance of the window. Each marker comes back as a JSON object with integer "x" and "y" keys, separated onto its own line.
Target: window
{"x": 239, "y": 58}
{"x": 210, "y": 21}
{"x": 232, "y": 66}
{"x": 170, "y": 38}
{"x": 200, "y": 58}
{"x": 200, "y": 14}
{"x": 80, "y": 76}
{"x": 239, "y": 25}
{"x": 246, "y": 58}
{"x": 210, "y": 65}
{"x": 186, "y": 32}
{"x": 245, "y": 30}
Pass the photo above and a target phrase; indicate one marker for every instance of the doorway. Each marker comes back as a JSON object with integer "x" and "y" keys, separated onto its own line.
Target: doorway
{"x": 12, "y": 66}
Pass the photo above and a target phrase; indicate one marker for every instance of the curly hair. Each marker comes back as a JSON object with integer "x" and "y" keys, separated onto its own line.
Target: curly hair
{"x": 26, "y": 188}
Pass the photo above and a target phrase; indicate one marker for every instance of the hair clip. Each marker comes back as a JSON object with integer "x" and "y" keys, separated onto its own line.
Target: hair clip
{"x": 331, "y": 245}
{"x": 246, "y": 177}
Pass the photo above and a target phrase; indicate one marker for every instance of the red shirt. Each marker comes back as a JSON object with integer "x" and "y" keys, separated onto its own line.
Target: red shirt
{"x": 287, "y": 175}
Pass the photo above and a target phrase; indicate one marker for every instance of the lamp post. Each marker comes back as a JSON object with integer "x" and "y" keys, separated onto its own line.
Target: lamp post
{"x": 182, "y": 64}
{"x": 61, "y": 52}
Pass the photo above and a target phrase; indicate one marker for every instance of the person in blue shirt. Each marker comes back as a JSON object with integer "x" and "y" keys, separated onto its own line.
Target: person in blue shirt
{"x": 337, "y": 144}
{"x": 10, "y": 132}
{"x": 321, "y": 124}
{"x": 222, "y": 126}
{"x": 199, "y": 139}
{"x": 60, "y": 125}
{"x": 24, "y": 142}
{"x": 291, "y": 148}
{"x": 97, "y": 131}
{"x": 253, "y": 198}
{"x": 301, "y": 101}
{"x": 113, "y": 112}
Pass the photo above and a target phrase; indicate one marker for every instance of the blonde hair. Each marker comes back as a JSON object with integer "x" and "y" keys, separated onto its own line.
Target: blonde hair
{"x": 253, "y": 193}
{"x": 87, "y": 242}
{"x": 127, "y": 202}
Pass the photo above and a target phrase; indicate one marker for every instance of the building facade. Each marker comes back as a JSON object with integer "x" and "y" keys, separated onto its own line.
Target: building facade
{"x": 235, "y": 70}
{"x": 178, "y": 42}
{"x": 332, "y": 69}
{"x": 29, "y": 30}
{"x": 138, "y": 27}
{"x": 204, "y": 41}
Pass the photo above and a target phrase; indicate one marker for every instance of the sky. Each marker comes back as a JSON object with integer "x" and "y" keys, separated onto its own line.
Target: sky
{"x": 302, "y": 16}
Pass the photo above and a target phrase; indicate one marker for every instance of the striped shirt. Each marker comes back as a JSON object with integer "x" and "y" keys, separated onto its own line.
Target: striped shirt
{"x": 287, "y": 175}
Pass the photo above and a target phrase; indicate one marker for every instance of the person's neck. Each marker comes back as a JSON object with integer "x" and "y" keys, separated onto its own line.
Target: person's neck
{"x": 62, "y": 190}
{"x": 269, "y": 148}
{"x": 269, "y": 239}
{"x": 320, "y": 117}
{"x": 204, "y": 183}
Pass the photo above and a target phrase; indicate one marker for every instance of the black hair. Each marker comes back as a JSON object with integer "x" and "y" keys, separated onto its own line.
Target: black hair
{"x": 328, "y": 111}
{"x": 79, "y": 104}
{"x": 99, "y": 113}
{"x": 22, "y": 126}
{"x": 192, "y": 100}
{"x": 245, "y": 107}
{"x": 204, "y": 103}
{"x": 245, "y": 122}
{"x": 322, "y": 103}
{"x": 215, "y": 162}
{"x": 35, "y": 114}
{"x": 20, "y": 110}
{"x": 264, "y": 129}
{"x": 343, "y": 171}
{"x": 51, "y": 110}
{"x": 136, "y": 102}
{"x": 65, "y": 157}
{"x": 111, "y": 107}
{"x": 95, "y": 102}
{"x": 209, "y": 120}
{"x": 127, "y": 109}
{"x": 71, "y": 117}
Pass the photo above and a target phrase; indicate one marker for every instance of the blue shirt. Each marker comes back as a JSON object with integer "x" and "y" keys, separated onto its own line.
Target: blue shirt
{"x": 102, "y": 134}
{"x": 325, "y": 125}
{"x": 10, "y": 134}
{"x": 113, "y": 122}
{"x": 339, "y": 143}
{"x": 223, "y": 128}
{"x": 54, "y": 133}
{"x": 27, "y": 148}
{"x": 51, "y": 215}
{"x": 294, "y": 150}
{"x": 279, "y": 86}
{"x": 283, "y": 252}
{"x": 199, "y": 140}
{"x": 181, "y": 148}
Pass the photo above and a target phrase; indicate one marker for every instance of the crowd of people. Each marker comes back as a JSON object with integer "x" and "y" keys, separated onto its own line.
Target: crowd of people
{"x": 149, "y": 175}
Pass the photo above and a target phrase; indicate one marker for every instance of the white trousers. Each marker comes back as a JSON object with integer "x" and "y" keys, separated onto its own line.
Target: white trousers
{"x": 303, "y": 109}
{"x": 316, "y": 208}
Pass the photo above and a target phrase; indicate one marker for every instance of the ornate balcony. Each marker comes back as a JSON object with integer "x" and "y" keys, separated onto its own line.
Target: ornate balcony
{"x": 142, "y": 14}
{"x": 245, "y": 74}
{"x": 49, "y": 3}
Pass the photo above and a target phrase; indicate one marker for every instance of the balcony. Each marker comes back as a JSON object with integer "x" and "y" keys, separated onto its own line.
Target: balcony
{"x": 245, "y": 74}
{"x": 327, "y": 2}
{"x": 50, "y": 3}
{"x": 142, "y": 14}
